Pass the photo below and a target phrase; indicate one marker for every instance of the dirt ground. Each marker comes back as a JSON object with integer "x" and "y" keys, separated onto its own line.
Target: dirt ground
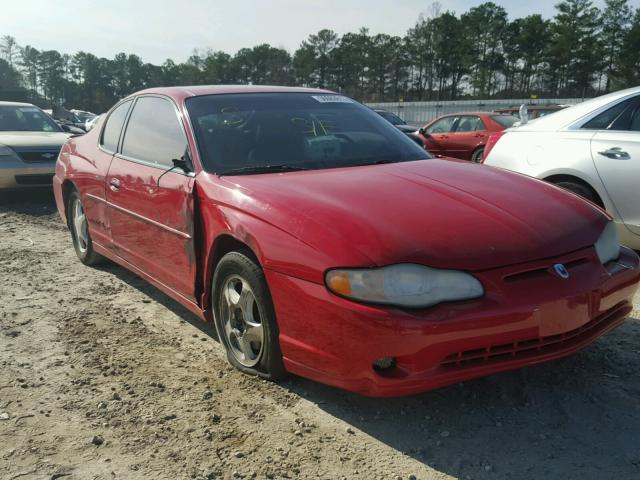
{"x": 104, "y": 377}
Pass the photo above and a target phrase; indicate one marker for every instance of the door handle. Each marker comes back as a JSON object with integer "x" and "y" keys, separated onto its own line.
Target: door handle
{"x": 616, "y": 153}
{"x": 114, "y": 184}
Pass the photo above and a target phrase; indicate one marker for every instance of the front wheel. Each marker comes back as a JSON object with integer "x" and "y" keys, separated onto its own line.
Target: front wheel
{"x": 245, "y": 317}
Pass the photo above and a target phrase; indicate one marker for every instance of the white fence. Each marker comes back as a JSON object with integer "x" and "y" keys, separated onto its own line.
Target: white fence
{"x": 419, "y": 113}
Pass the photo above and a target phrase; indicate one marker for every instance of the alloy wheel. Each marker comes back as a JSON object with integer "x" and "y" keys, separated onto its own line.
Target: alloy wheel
{"x": 80, "y": 226}
{"x": 241, "y": 321}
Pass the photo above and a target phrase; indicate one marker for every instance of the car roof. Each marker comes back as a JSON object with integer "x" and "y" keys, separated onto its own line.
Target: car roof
{"x": 16, "y": 104}
{"x": 182, "y": 92}
{"x": 492, "y": 114}
{"x": 568, "y": 116}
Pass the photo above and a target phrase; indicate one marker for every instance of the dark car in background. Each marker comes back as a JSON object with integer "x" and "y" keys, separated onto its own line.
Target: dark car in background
{"x": 410, "y": 130}
{"x": 463, "y": 135}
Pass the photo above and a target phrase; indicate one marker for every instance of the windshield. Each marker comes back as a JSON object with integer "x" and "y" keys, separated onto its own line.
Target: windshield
{"x": 296, "y": 130}
{"x": 25, "y": 119}
{"x": 394, "y": 119}
{"x": 506, "y": 120}
{"x": 82, "y": 117}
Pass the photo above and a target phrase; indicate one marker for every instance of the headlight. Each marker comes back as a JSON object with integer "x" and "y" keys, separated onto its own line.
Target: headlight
{"x": 404, "y": 285}
{"x": 6, "y": 151}
{"x": 608, "y": 245}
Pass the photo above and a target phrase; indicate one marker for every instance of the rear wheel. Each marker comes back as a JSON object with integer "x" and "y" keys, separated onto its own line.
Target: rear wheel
{"x": 245, "y": 317}
{"x": 80, "y": 231}
{"x": 476, "y": 157}
{"x": 582, "y": 190}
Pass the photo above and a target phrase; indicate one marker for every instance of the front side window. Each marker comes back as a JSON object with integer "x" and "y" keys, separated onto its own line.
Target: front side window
{"x": 470, "y": 124}
{"x": 442, "y": 126}
{"x": 252, "y": 131}
{"x": 113, "y": 127}
{"x": 153, "y": 133}
{"x": 26, "y": 119}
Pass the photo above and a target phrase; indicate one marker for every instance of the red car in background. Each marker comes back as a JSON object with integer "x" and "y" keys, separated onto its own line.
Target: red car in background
{"x": 321, "y": 241}
{"x": 463, "y": 135}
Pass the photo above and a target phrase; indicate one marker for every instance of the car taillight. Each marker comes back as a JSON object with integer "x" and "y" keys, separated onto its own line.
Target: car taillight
{"x": 491, "y": 142}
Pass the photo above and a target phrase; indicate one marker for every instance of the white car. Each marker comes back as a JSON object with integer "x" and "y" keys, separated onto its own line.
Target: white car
{"x": 592, "y": 149}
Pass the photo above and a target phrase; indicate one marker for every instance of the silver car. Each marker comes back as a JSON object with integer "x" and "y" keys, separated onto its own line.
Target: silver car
{"x": 592, "y": 149}
{"x": 29, "y": 145}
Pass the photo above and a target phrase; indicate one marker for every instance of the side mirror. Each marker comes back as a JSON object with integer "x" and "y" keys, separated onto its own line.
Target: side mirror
{"x": 183, "y": 163}
{"x": 424, "y": 133}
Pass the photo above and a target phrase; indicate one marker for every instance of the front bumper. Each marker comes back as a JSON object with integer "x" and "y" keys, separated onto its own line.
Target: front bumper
{"x": 16, "y": 174}
{"x": 527, "y": 316}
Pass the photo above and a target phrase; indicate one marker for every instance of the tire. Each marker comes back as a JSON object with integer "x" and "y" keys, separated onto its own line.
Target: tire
{"x": 476, "y": 156}
{"x": 79, "y": 231}
{"x": 582, "y": 190}
{"x": 245, "y": 318}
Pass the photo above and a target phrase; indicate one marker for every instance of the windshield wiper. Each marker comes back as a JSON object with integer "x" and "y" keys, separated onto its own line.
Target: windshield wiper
{"x": 262, "y": 169}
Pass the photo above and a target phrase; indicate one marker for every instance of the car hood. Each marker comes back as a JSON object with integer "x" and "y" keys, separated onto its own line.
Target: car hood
{"x": 31, "y": 140}
{"x": 442, "y": 213}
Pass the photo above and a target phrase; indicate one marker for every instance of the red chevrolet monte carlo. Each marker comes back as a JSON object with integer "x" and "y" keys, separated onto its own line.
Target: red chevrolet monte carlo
{"x": 325, "y": 243}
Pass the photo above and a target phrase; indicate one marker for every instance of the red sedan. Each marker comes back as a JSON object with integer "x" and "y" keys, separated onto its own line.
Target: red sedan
{"x": 325, "y": 243}
{"x": 463, "y": 135}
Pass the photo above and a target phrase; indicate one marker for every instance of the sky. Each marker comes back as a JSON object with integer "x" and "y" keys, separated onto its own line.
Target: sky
{"x": 161, "y": 29}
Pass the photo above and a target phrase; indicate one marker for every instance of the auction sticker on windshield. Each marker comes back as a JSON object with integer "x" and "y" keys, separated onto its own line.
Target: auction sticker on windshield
{"x": 332, "y": 99}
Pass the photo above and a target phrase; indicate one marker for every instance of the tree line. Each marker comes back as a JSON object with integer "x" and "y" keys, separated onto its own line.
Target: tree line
{"x": 582, "y": 51}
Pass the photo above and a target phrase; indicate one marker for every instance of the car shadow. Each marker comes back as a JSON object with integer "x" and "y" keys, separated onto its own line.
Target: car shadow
{"x": 573, "y": 418}
{"x": 157, "y": 296}
{"x": 35, "y": 202}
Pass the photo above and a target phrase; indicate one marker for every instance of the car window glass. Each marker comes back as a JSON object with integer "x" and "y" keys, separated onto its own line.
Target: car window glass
{"x": 153, "y": 133}
{"x": 394, "y": 119}
{"x": 113, "y": 127}
{"x": 635, "y": 120}
{"x": 296, "y": 130}
{"x": 25, "y": 119}
{"x": 469, "y": 124}
{"x": 505, "y": 120}
{"x": 607, "y": 118}
{"x": 625, "y": 121}
{"x": 442, "y": 126}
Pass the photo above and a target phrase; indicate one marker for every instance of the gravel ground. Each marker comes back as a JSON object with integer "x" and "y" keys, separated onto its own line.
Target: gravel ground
{"x": 104, "y": 377}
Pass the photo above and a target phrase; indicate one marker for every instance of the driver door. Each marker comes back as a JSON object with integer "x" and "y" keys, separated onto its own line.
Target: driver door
{"x": 436, "y": 136}
{"x": 150, "y": 207}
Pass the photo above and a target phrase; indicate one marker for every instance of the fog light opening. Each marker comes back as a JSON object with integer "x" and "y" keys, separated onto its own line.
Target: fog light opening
{"x": 384, "y": 364}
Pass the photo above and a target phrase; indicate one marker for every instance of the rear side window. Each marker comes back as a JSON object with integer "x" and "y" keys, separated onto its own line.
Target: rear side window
{"x": 154, "y": 133}
{"x": 505, "y": 120}
{"x": 608, "y": 118}
{"x": 113, "y": 127}
{"x": 629, "y": 120}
